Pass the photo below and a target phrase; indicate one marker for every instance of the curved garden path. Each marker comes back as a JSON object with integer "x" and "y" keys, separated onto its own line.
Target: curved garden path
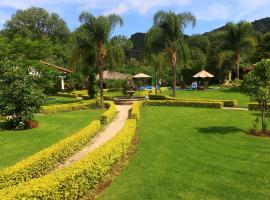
{"x": 104, "y": 136}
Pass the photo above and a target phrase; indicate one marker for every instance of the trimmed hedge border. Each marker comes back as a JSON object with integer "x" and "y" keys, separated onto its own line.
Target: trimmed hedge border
{"x": 255, "y": 106}
{"x": 74, "y": 181}
{"x": 181, "y": 103}
{"x": 226, "y": 103}
{"x": 135, "y": 110}
{"x": 68, "y": 107}
{"x": 109, "y": 114}
{"x": 42, "y": 162}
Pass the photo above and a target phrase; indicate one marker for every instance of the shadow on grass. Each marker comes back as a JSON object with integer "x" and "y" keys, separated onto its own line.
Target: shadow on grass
{"x": 219, "y": 130}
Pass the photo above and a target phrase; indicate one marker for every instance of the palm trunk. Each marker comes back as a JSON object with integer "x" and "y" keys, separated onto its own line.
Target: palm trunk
{"x": 156, "y": 83}
{"x": 100, "y": 73}
{"x": 238, "y": 63}
{"x": 174, "y": 73}
{"x": 230, "y": 76}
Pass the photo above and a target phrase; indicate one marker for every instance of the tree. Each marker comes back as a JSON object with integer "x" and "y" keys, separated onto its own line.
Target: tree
{"x": 100, "y": 29}
{"x": 167, "y": 34}
{"x": 36, "y": 23}
{"x": 263, "y": 49}
{"x": 19, "y": 94}
{"x": 256, "y": 85}
{"x": 239, "y": 36}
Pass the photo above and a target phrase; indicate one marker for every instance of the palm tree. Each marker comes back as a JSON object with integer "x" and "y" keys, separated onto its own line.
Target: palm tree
{"x": 100, "y": 29}
{"x": 239, "y": 36}
{"x": 167, "y": 34}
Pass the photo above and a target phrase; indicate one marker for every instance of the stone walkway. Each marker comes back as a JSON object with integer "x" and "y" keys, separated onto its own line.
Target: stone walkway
{"x": 104, "y": 136}
{"x": 233, "y": 108}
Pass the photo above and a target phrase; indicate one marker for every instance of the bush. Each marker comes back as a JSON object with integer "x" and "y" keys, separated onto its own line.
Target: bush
{"x": 74, "y": 181}
{"x": 68, "y": 107}
{"x": 109, "y": 113}
{"x": 255, "y": 106}
{"x": 135, "y": 110}
{"x": 85, "y": 97}
{"x": 70, "y": 95}
{"x": 202, "y": 104}
{"x": 156, "y": 97}
{"x": 42, "y": 162}
{"x": 141, "y": 93}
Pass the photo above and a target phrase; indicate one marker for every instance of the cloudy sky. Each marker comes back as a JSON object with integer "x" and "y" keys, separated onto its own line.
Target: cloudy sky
{"x": 138, "y": 14}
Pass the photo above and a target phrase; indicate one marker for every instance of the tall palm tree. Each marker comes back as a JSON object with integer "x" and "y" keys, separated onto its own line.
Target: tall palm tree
{"x": 239, "y": 36}
{"x": 100, "y": 29}
{"x": 167, "y": 34}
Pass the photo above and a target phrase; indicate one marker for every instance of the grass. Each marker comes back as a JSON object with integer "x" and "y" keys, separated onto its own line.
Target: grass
{"x": 17, "y": 145}
{"x": 195, "y": 153}
{"x": 51, "y": 100}
{"x": 222, "y": 94}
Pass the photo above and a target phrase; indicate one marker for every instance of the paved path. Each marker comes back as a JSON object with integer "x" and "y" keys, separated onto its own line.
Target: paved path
{"x": 104, "y": 136}
{"x": 233, "y": 108}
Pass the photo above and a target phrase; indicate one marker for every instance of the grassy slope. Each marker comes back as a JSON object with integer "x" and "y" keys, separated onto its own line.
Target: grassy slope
{"x": 192, "y": 153}
{"x": 59, "y": 100}
{"x": 17, "y": 145}
{"x": 242, "y": 99}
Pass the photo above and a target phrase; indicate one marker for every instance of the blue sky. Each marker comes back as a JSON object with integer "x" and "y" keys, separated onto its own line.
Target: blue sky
{"x": 138, "y": 14}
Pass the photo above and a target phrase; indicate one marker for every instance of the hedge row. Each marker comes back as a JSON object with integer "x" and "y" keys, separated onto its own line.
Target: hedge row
{"x": 135, "y": 110}
{"x": 255, "y": 106}
{"x": 181, "y": 103}
{"x": 68, "y": 107}
{"x": 109, "y": 113}
{"x": 226, "y": 103}
{"x": 45, "y": 160}
{"x": 74, "y": 181}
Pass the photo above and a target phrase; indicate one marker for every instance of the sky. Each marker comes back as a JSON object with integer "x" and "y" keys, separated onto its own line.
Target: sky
{"x": 138, "y": 14}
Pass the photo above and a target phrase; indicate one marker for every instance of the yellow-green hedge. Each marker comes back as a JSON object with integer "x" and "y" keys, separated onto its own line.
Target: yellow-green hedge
{"x": 202, "y": 104}
{"x": 255, "y": 106}
{"x": 135, "y": 110}
{"x": 109, "y": 113}
{"x": 68, "y": 107}
{"x": 45, "y": 160}
{"x": 74, "y": 181}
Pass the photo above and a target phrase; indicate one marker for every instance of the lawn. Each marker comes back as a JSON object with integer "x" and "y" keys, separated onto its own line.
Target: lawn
{"x": 51, "y": 100}
{"x": 222, "y": 94}
{"x": 195, "y": 153}
{"x": 17, "y": 145}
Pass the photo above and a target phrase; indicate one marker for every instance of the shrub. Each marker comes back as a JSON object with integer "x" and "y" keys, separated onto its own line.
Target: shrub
{"x": 45, "y": 160}
{"x": 109, "y": 113}
{"x": 74, "y": 181}
{"x": 85, "y": 97}
{"x": 156, "y": 97}
{"x": 135, "y": 110}
{"x": 68, "y": 107}
{"x": 141, "y": 93}
{"x": 255, "y": 106}
{"x": 202, "y": 104}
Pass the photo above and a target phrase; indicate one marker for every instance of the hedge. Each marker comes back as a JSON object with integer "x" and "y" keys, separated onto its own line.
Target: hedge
{"x": 74, "y": 181}
{"x": 226, "y": 103}
{"x": 70, "y": 95}
{"x": 135, "y": 110}
{"x": 68, "y": 107}
{"x": 109, "y": 113}
{"x": 255, "y": 106}
{"x": 45, "y": 160}
{"x": 181, "y": 103}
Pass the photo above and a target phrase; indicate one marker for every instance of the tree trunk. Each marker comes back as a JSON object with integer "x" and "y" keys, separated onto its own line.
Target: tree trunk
{"x": 174, "y": 73}
{"x": 156, "y": 82}
{"x": 263, "y": 122}
{"x": 100, "y": 72}
{"x": 238, "y": 64}
{"x": 230, "y": 76}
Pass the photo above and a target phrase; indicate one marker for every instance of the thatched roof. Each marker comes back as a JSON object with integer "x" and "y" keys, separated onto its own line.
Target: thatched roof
{"x": 203, "y": 74}
{"x": 141, "y": 75}
{"x": 110, "y": 75}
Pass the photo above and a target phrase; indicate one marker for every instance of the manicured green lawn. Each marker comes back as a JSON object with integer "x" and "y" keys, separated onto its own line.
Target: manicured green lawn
{"x": 17, "y": 145}
{"x": 222, "y": 94}
{"x": 59, "y": 100}
{"x": 195, "y": 153}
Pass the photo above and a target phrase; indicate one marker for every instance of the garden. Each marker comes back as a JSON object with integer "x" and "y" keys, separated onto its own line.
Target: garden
{"x": 86, "y": 115}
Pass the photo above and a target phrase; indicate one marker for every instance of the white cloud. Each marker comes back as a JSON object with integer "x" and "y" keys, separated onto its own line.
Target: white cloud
{"x": 213, "y": 12}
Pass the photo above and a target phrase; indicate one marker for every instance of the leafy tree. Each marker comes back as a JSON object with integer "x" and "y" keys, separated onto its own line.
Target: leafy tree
{"x": 100, "y": 28}
{"x": 239, "y": 36}
{"x": 19, "y": 94}
{"x": 167, "y": 34}
{"x": 256, "y": 85}
{"x": 263, "y": 49}
{"x": 36, "y": 23}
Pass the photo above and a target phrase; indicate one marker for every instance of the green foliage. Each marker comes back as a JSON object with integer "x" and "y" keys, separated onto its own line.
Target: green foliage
{"x": 135, "y": 110}
{"x": 42, "y": 162}
{"x": 74, "y": 181}
{"x": 20, "y": 96}
{"x": 109, "y": 114}
{"x": 256, "y": 85}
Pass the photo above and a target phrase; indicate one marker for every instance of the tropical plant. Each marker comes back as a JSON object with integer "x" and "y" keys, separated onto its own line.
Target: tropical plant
{"x": 256, "y": 85}
{"x": 239, "y": 36}
{"x": 100, "y": 28}
{"x": 167, "y": 34}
